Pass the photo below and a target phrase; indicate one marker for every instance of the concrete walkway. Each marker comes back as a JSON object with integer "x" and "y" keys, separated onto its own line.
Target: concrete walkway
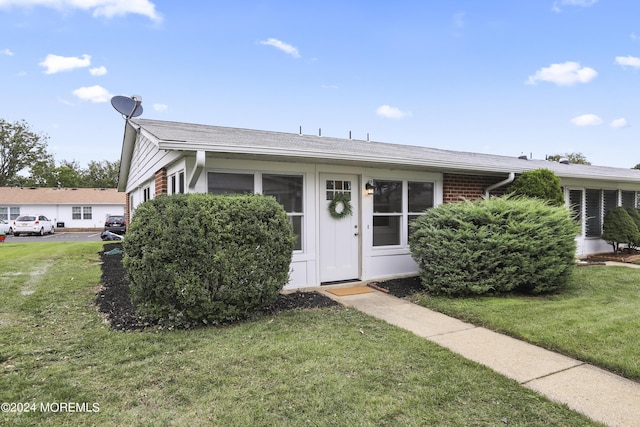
{"x": 600, "y": 395}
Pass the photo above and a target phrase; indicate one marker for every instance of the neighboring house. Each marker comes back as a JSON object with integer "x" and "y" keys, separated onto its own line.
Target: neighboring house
{"x": 389, "y": 185}
{"x": 77, "y": 208}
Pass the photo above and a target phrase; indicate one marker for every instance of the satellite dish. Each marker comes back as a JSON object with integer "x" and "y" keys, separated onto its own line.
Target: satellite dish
{"x": 127, "y": 106}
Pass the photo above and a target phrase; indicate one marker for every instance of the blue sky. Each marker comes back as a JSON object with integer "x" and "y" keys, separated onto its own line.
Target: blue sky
{"x": 507, "y": 77}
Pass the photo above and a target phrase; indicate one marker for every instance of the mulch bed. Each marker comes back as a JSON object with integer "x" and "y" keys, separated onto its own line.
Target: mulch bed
{"x": 114, "y": 302}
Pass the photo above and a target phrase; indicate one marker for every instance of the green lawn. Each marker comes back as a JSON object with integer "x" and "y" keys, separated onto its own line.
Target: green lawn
{"x": 596, "y": 319}
{"x": 329, "y": 367}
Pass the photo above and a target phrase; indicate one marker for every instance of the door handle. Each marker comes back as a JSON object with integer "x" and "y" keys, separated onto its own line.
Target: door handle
{"x": 356, "y": 234}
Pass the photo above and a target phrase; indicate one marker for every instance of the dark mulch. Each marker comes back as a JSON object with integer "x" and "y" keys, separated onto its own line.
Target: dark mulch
{"x": 114, "y": 302}
{"x": 400, "y": 288}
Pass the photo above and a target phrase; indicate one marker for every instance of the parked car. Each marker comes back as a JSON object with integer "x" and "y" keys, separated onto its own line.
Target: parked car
{"x": 6, "y": 226}
{"x": 32, "y": 224}
{"x": 116, "y": 224}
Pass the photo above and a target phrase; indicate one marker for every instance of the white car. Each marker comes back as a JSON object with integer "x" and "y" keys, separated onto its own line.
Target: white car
{"x": 32, "y": 224}
{"x": 6, "y": 226}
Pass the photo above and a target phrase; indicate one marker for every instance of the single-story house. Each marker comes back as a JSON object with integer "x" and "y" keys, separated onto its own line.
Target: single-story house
{"x": 388, "y": 185}
{"x": 77, "y": 208}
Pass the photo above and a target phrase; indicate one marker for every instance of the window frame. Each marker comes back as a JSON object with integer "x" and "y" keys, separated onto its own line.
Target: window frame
{"x": 258, "y": 188}
{"x": 404, "y": 217}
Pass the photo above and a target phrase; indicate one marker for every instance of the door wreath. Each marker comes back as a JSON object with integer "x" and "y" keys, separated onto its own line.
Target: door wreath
{"x": 342, "y": 199}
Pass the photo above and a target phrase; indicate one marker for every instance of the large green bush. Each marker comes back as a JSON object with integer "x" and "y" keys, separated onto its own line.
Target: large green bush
{"x": 619, "y": 227}
{"x": 540, "y": 184}
{"x": 635, "y": 216}
{"x": 201, "y": 259}
{"x": 494, "y": 245}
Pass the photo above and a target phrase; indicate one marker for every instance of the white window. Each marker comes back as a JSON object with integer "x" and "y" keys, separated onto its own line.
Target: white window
{"x": 395, "y": 204}
{"x": 596, "y": 203}
{"x": 288, "y": 191}
{"x": 230, "y": 183}
{"x": 176, "y": 183}
{"x": 81, "y": 212}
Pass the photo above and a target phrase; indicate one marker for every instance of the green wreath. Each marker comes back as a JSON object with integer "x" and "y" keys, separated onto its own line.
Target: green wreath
{"x": 344, "y": 199}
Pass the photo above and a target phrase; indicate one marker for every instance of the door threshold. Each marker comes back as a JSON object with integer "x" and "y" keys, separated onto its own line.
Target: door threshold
{"x": 339, "y": 282}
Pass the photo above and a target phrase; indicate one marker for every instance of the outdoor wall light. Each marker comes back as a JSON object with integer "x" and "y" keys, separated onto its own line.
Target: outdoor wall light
{"x": 369, "y": 188}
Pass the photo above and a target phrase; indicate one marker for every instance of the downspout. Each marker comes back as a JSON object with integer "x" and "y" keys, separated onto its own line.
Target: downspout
{"x": 509, "y": 180}
{"x": 197, "y": 169}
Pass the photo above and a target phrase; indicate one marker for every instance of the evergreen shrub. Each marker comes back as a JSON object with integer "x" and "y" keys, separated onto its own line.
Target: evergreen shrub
{"x": 494, "y": 245}
{"x": 203, "y": 259}
{"x": 619, "y": 228}
{"x": 540, "y": 184}
{"x": 635, "y": 216}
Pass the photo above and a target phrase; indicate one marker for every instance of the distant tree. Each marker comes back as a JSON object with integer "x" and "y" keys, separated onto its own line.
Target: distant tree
{"x": 636, "y": 166}
{"x": 574, "y": 158}
{"x": 539, "y": 184}
{"x": 69, "y": 174}
{"x": 20, "y": 148}
{"x": 46, "y": 174}
{"x": 102, "y": 174}
{"x": 619, "y": 228}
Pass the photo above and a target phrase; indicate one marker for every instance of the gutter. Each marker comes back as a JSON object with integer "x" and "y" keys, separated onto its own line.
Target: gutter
{"x": 509, "y": 180}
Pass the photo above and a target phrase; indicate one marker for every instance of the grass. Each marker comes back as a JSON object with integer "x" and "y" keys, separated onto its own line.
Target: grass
{"x": 595, "y": 319}
{"x": 325, "y": 367}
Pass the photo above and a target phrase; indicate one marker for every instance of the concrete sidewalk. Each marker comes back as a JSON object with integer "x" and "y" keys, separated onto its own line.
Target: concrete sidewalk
{"x": 600, "y": 395}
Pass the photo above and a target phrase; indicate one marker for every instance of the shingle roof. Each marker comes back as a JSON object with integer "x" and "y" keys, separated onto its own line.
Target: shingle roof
{"x": 62, "y": 196}
{"x": 292, "y": 146}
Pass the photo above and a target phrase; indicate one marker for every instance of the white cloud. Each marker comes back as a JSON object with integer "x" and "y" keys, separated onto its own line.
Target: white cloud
{"x": 582, "y": 3}
{"x": 619, "y": 123}
{"x": 587, "y": 120}
{"x": 391, "y": 112}
{"x": 106, "y": 8}
{"x": 285, "y": 47}
{"x": 98, "y": 71}
{"x": 55, "y": 64}
{"x": 160, "y": 107}
{"x": 634, "y": 36}
{"x": 6, "y": 52}
{"x": 628, "y": 61}
{"x": 565, "y": 74}
{"x": 93, "y": 94}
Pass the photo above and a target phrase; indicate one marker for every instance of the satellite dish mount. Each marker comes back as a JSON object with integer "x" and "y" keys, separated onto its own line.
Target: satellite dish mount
{"x": 127, "y": 106}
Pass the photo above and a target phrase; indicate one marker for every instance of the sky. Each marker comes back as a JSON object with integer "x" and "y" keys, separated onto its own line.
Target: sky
{"x": 507, "y": 77}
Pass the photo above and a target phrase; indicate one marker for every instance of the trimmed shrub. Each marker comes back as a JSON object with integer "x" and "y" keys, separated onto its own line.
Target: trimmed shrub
{"x": 619, "y": 228}
{"x": 635, "y": 216}
{"x": 494, "y": 245}
{"x": 202, "y": 259}
{"x": 540, "y": 184}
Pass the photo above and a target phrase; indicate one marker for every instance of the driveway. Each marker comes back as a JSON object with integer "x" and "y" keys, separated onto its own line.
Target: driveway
{"x": 59, "y": 236}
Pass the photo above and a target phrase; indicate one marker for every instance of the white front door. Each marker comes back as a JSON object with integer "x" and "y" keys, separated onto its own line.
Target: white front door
{"x": 339, "y": 237}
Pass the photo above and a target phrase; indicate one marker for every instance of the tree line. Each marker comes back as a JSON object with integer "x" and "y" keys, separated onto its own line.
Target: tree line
{"x": 25, "y": 161}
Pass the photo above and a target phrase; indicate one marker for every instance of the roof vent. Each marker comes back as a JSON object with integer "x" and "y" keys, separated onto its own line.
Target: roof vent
{"x": 564, "y": 161}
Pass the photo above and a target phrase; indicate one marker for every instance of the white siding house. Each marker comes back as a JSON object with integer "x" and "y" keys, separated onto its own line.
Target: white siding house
{"x": 77, "y": 208}
{"x": 388, "y": 185}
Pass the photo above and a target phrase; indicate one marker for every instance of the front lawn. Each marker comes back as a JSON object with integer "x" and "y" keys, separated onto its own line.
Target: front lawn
{"x": 595, "y": 319}
{"x": 320, "y": 367}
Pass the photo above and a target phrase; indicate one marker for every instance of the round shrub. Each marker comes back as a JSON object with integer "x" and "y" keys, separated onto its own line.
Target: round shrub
{"x": 540, "y": 184}
{"x": 494, "y": 245}
{"x": 202, "y": 259}
{"x": 619, "y": 227}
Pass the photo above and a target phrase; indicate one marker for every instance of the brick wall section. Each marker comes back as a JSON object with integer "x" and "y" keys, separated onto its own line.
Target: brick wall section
{"x": 127, "y": 208}
{"x": 161, "y": 182}
{"x": 457, "y": 188}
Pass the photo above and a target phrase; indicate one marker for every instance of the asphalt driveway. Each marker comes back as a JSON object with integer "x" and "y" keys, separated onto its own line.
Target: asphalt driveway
{"x": 58, "y": 236}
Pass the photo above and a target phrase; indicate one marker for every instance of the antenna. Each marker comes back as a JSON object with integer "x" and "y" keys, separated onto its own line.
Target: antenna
{"x": 127, "y": 106}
